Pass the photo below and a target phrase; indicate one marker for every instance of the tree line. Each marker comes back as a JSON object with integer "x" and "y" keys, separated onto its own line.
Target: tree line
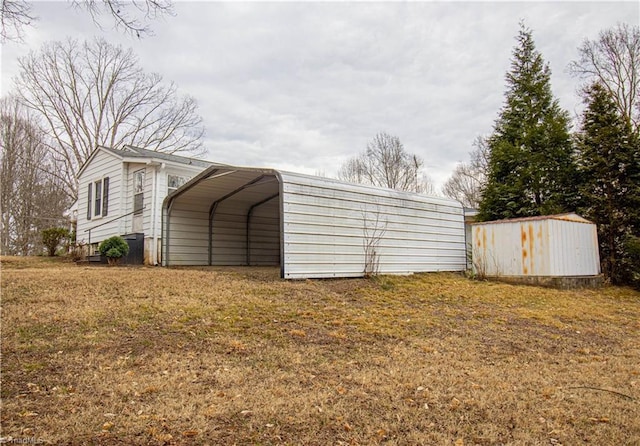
{"x": 532, "y": 164}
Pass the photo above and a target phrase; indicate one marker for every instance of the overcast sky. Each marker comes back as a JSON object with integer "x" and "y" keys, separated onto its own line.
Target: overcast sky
{"x": 304, "y": 86}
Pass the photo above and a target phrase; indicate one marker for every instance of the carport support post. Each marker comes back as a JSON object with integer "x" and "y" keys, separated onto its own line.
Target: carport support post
{"x": 166, "y": 214}
{"x": 212, "y": 211}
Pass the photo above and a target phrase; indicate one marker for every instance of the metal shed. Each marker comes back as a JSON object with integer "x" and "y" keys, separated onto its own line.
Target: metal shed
{"x": 563, "y": 245}
{"x": 312, "y": 227}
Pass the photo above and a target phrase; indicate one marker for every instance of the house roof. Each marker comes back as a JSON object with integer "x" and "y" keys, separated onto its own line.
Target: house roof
{"x": 130, "y": 153}
{"x": 138, "y": 152}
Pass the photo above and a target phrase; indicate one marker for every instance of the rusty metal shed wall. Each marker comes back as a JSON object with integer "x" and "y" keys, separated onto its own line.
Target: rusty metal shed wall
{"x": 551, "y": 246}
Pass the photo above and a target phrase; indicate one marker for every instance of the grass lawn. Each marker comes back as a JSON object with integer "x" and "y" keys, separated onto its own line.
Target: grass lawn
{"x": 99, "y": 355}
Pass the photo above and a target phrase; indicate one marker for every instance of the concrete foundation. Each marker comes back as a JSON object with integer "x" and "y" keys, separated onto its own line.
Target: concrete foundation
{"x": 563, "y": 283}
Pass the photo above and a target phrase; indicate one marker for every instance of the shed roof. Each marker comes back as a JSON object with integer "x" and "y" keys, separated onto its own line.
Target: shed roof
{"x": 572, "y": 217}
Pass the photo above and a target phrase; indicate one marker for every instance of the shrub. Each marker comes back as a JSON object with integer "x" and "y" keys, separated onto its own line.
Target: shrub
{"x": 114, "y": 248}
{"x": 632, "y": 260}
{"x": 77, "y": 252}
{"x": 52, "y": 237}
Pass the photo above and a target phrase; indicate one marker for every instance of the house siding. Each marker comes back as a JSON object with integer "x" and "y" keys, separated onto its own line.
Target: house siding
{"x": 101, "y": 166}
{"x": 120, "y": 168}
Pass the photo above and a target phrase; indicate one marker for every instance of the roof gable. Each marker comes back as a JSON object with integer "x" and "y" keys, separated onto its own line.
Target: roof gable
{"x": 94, "y": 154}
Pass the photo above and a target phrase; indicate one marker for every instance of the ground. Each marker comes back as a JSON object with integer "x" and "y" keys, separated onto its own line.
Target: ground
{"x": 136, "y": 355}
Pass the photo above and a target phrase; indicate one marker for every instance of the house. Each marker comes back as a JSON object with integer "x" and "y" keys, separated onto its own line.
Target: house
{"x": 121, "y": 191}
{"x": 312, "y": 227}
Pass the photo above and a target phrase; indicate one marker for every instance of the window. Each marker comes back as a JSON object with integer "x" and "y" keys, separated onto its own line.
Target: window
{"x": 138, "y": 191}
{"x": 98, "y": 198}
{"x": 174, "y": 182}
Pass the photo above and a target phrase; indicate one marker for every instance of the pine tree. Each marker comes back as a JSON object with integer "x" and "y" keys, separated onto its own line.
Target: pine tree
{"x": 531, "y": 169}
{"x": 609, "y": 166}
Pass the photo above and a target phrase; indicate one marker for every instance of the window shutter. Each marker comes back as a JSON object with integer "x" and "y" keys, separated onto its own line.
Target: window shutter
{"x": 105, "y": 196}
{"x": 89, "y": 202}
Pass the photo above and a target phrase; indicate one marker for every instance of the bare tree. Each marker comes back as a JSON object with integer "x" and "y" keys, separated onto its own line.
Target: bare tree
{"x": 467, "y": 180}
{"x": 30, "y": 199}
{"x": 130, "y": 16}
{"x": 95, "y": 93}
{"x": 385, "y": 163}
{"x": 351, "y": 171}
{"x": 373, "y": 230}
{"x": 614, "y": 61}
{"x": 15, "y": 15}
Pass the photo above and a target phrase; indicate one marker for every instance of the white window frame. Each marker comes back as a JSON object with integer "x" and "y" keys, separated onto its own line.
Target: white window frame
{"x": 95, "y": 198}
{"x": 137, "y": 192}
{"x": 181, "y": 180}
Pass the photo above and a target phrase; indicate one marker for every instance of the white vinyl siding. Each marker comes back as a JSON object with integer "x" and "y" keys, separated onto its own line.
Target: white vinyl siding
{"x": 119, "y": 169}
{"x": 102, "y": 166}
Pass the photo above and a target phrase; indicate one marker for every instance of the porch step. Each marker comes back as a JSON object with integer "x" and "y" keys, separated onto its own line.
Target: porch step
{"x": 97, "y": 258}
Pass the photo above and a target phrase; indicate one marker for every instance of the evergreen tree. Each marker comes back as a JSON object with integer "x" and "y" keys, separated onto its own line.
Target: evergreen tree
{"x": 608, "y": 155}
{"x": 531, "y": 168}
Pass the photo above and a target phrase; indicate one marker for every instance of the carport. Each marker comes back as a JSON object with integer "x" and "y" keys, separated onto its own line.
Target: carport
{"x": 309, "y": 226}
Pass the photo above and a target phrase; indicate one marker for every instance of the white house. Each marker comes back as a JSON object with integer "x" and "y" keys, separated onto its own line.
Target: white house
{"x": 121, "y": 191}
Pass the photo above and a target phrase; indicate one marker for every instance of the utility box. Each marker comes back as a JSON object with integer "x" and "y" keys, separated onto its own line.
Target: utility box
{"x": 558, "y": 250}
{"x": 136, "y": 249}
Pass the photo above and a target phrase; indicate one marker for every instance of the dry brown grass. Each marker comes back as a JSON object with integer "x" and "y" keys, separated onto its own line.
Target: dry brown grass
{"x": 97, "y": 355}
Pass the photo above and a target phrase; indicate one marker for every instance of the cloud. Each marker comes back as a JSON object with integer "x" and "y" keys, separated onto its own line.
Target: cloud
{"x": 304, "y": 86}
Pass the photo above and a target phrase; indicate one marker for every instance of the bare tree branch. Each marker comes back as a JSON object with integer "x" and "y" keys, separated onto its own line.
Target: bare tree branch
{"x": 373, "y": 230}
{"x": 614, "y": 61}
{"x": 15, "y": 15}
{"x": 130, "y": 16}
{"x": 385, "y": 163}
{"x": 468, "y": 179}
{"x": 32, "y": 199}
{"x": 94, "y": 93}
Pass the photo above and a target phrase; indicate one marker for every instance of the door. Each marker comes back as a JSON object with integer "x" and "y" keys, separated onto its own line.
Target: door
{"x": 138, "y": 201}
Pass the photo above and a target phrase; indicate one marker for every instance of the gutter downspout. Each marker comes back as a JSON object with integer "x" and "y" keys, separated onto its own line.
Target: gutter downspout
{"x": 156, "y": 194}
